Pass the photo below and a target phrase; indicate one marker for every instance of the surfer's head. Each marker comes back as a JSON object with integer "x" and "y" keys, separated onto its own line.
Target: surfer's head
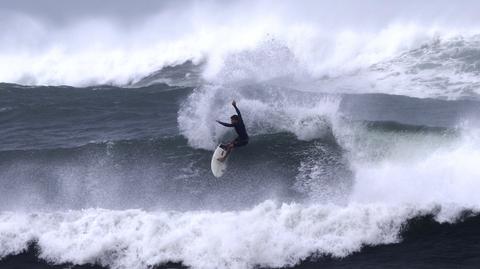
{"x": 234, "y": 119}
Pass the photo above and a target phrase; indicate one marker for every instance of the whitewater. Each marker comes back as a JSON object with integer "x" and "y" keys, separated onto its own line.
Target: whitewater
{"x": 363, "y": 121}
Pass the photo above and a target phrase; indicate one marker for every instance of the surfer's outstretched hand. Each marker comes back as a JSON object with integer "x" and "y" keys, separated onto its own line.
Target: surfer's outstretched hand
{"x": 234, "y": 103}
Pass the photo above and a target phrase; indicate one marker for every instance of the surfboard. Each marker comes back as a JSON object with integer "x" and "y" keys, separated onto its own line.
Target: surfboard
{"x": 218, "y": 167}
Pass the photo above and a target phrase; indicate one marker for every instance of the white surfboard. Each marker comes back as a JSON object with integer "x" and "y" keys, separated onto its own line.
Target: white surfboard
{"x": 218, "y": 167}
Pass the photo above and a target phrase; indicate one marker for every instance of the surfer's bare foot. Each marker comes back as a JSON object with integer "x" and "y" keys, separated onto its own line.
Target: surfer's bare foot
{"x": 222, "y": 159}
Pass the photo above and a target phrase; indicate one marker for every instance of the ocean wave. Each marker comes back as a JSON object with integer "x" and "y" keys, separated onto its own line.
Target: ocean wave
{"x": 421, "y": 172}
{"x": 42, "y": 116}
{"x": 268, "y": 235}
{"x": 394, "y": 55}
{"x": 387, "y": 193}
{"x": 362, "y": 188}
{"x": 167, "y": 170}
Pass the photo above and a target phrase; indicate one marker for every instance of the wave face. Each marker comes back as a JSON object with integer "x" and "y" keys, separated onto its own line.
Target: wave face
{"x": 364, "y": 134}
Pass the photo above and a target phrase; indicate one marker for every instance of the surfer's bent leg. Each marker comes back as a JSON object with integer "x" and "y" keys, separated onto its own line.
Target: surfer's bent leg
{"x": 230, "y": 146}
{"x": 239, "y": 142}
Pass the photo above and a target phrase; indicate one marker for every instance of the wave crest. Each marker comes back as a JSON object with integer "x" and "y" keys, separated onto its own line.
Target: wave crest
{"x": 266, "y": 109}
{"x": 267, "y": 235}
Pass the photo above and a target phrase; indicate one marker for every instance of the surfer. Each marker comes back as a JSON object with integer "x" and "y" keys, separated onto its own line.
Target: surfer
{"x": 237, "y": 123}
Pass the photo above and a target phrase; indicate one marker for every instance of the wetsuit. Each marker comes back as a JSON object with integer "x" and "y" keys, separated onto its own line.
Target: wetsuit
{"x": 242, "y": 138}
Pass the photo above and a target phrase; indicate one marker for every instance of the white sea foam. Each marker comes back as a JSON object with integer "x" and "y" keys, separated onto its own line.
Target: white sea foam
{"x": 268, "y": 234}
{"x": 238, "y": 42}
{"x": 446, "y": 174}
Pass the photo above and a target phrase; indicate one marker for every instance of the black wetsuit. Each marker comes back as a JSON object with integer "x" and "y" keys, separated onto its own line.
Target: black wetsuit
{"x": 242, "y": 138}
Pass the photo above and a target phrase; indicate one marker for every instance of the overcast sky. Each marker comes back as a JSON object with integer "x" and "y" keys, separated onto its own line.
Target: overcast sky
{"x": 61, "y": 10}
{"x": 58, "y": 11}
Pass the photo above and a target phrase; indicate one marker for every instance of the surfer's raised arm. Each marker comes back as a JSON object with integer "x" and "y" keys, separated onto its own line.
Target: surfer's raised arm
{"x": 234, "y": 104}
